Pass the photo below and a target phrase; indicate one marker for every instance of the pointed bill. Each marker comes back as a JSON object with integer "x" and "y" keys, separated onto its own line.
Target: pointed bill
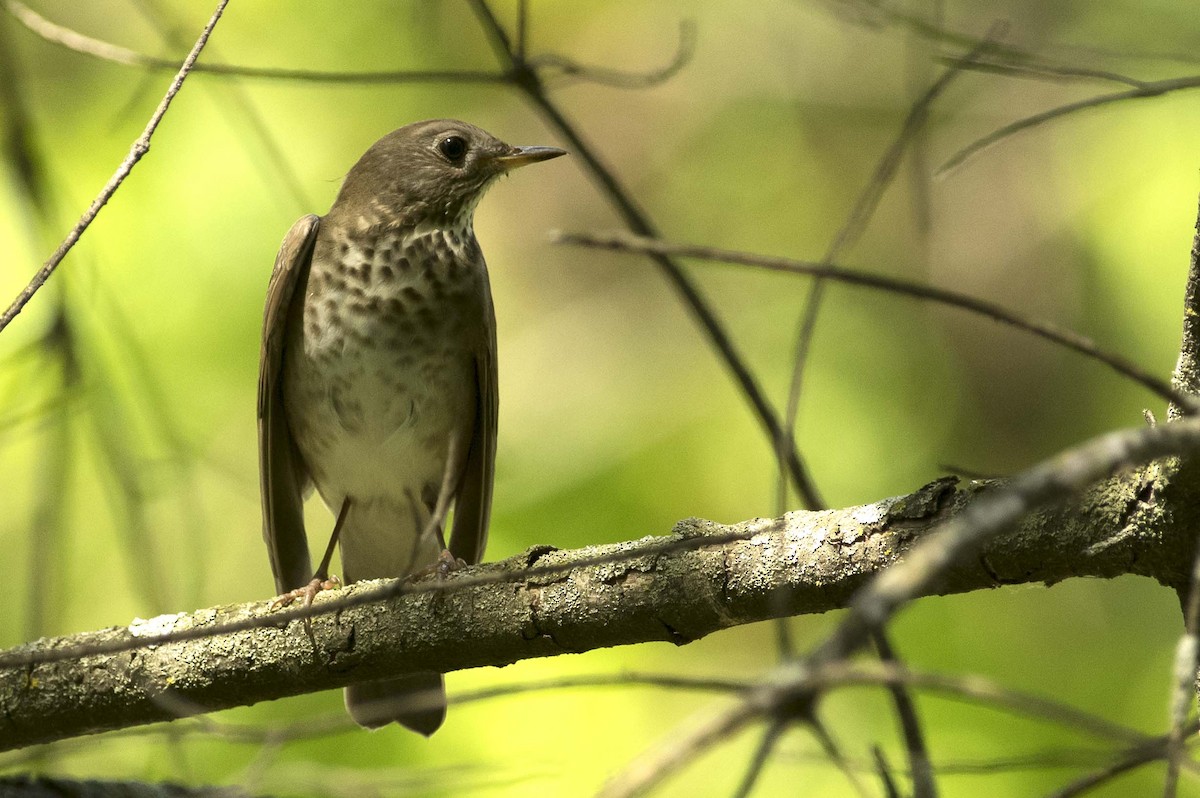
{"x": 520, "y": 156}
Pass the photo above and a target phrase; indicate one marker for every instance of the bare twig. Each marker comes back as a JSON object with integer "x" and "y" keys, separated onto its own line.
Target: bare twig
{"x": 1031, "y": 69}
{"x": 662, "y": 681}
{"x": 805, "y": 330}
{"x": 885, "y": 170}
{"x": 139, "y": 149}
{"x": 695, "y": 301}
{"x": 326, "y": 724}
{"x": 646, "y": 772}
{"x": 935, "y": 31}
{"x": 762, "y": 753}
{"x": 919, "y": 764}
{"x": 974, "y": 690}
{"x": 833, "y": 752}
{"x": 557, "y": 65}
{"x": 1152, "y": 750}
{"x": 1150, "y": 89}
{"x": 885, "y": 773}
{"x": 244, "y": 111}
{"x": 1183, "y": 676}
{"x": 627, "y": 243}
{"x": 567, "y": 68}
{"x": 106, "y": 51}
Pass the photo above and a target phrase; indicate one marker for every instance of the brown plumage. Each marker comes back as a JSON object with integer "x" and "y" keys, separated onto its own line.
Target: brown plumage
{"x": 377, "y": 379}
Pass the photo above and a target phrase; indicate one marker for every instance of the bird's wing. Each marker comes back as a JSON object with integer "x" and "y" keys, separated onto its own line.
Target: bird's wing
{"x": 473, "y": 503}
{"x": 282, "y": 475}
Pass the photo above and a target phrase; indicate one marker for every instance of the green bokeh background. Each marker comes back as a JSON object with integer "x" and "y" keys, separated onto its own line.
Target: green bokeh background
{"x": 133, "y": 491}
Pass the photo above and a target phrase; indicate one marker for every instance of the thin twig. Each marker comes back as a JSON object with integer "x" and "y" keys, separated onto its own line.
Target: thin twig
{"x": 1030, "y": 69}
{"x": 1183, "y": 678}
{"x": 622, "y": 79}
{"x": 805, "y": 331}
{"x": 696, "y": 302}
{"x": 663, "y": 681}
{"x": 762, "y": 754}
{"x": 624, "y": 242}
{"x": 522, "y": 45}
{"x": 919, "y": 764}
{"x": 136, "y": 152}
{"x": 885, "y": 773}
{"x": 1134, "y": 757}
{"x": 975, "y": 690}
{"x": 1150, "y": 89}
{"x": 937, "y": 32}
{"x": 833, "y": 752}
{"x": 646, "y": 772}
{"x": 885, "y": 170}
{"x": 244, "y": 110}
{"x": 106, "y": 51}
{"x": 970, "y": 688}
{"x": 562, "y": 66}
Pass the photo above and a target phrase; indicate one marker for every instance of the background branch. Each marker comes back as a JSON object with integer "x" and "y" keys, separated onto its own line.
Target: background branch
{"x": 1068, "y": 339}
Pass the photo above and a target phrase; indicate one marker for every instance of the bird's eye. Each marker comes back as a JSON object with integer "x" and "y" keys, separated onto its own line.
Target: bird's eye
{"x": 453, "y": 147}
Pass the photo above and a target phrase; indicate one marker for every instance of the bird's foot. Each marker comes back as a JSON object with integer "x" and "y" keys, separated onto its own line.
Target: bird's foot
{"x": 445, "y": 564}
{"x": 308, "y": 592}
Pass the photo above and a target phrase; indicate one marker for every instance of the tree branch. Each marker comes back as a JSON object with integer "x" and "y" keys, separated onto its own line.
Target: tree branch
{"x": 48, "y": 787}
{"x": 704, "y": 578}
{"x": 624, "y": 242}
{"x": 1146, "y": 90}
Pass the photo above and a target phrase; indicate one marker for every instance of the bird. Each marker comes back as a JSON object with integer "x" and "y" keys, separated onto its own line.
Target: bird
{"x": 377, "y": 380}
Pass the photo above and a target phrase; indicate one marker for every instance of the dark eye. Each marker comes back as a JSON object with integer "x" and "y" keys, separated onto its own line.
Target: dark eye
{"x": 453, "y": 147}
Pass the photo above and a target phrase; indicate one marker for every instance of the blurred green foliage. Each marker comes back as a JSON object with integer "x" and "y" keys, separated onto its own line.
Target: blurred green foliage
{"x": 127, "y": 428}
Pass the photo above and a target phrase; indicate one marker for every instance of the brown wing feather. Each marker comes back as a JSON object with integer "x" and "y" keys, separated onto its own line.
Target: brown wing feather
{"x": 473, "y": 504}
{"x": 282, "y": 475}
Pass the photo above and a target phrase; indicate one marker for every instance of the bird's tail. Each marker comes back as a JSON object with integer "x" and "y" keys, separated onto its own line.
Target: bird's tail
{"x": 416, "y": 701}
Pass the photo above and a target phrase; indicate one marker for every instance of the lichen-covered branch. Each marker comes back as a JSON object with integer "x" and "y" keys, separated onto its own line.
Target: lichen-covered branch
{"x": 704, "y": 578}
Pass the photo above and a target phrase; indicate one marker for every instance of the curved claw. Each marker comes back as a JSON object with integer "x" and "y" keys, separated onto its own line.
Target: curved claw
{"x": 445, "y": 565}
{"x": 308, "y": 592}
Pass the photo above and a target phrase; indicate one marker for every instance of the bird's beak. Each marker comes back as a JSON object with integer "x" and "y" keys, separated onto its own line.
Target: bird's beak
{"x": 520, "y": 156}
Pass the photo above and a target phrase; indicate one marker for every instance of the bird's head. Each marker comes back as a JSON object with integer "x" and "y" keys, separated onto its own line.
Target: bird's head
{"x": 431, "y": 172}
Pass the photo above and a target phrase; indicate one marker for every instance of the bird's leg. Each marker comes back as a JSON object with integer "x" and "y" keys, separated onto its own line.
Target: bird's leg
{"x": 321, "y": 579}
{"x": 446, "y": 562}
